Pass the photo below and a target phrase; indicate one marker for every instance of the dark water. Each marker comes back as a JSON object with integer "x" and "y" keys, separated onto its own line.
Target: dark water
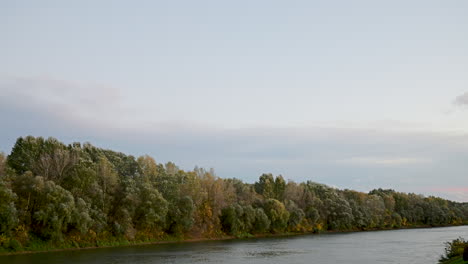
{"x": 398, "y": 246}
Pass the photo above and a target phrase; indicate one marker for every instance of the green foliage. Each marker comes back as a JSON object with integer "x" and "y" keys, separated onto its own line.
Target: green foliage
{"x": 296, "y": 214}
{"x": 15, "y": 245}
{"x": 25, "y": 154}
{"x": 48, "y": 158}
{"x": 248, "y": 218}
{"x": 8, "y": 212}
{"x": 453, "y": 249}
{"x": 180, "y": 215}
{"x": 280, "y": 187}
{"x": 53, "y": 210}
{"x": 2, "y": 165}
{"x": 266, "y": 186}
{"x": 82, "y": 216}
{"x": 278, "y": 215}
{"x": 312, "y": 215}
{"x": 231, "y": 219}
{"x": 262, "y": 222}
{"x": 55, "y": 195}
{"x": 152, "y": 208}
{"x": 271, "y": 187}
{"x": 44, "y": 206}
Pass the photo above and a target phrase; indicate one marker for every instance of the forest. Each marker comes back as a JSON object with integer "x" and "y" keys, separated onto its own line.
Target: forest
{"x": 54, "y": 195}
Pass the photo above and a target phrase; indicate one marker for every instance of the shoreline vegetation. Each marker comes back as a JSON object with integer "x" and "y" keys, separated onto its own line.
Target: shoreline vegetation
{"x": 454, "y": 251}
{"x": 58, "y": 197}
{"x": 173, "y": 240}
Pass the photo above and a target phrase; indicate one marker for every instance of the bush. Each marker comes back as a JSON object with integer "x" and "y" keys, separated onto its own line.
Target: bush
{"x": 453, "y": 249}
{"x": 15, "y": 245}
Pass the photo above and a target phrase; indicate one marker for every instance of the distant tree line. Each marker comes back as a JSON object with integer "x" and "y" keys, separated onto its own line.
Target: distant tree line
{"x": 79, "y": 195}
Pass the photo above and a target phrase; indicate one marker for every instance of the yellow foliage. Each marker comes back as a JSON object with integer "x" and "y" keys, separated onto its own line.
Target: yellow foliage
{"x": 75, "y": 237}
{"x": 4, "y": 240}
{"x": 404, "y": 221}
{"x": 21, "y": 233}
{"x": 92, "y": 234}
{"x": 319, "y": 226}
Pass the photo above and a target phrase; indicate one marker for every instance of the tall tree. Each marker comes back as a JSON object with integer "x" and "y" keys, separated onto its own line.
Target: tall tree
{"x": 266, "y": 186}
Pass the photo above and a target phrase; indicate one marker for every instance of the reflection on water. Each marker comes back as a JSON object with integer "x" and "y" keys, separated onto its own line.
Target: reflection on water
{"x": 398, "y": 246}
{"x": 270, "y": 253}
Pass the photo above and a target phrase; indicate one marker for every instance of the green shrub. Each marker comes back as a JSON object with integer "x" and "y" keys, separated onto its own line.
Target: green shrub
{"x": 15, "y": 245}
{"x": 453, "y": 249}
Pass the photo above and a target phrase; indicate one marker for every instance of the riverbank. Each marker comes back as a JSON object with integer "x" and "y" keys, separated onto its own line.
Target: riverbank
{"x": 457, "y": 260}
{"x": 70, "y": 246}
{"x": 107, "y": 198}
{"x": 454, "y": 251}
{"x": 114, "y": 244}
{"x": 390, "y": 246}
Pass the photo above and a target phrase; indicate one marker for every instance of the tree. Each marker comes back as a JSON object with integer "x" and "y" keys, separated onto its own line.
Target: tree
{"x": 231, "y": 219}
{"x": 45, "y": 206}
{"x": 148, "y": 167}
{"x": 8, "y": 213}
{"x": 25, "y": 153}
{"x": 262, "y": 223}
{"x": 312, "y": 215}
{"x": 48, "y": 158}
{"x": 2, "y": 165}
{"x": 296, "y": 215}
{"x": 339, "y": 213}
{"x": 277, "y": 214}
{"x": 81, "y": 218}
{"x": 107, "y": 178}
{"x": 244, "y": 193}
{"x": 280, "y": 187}
{"x": 248, "y": 218}
{"x": 375, "y": 207}
{"x": 295, "y": 193}
{"x": 266, "y": 186}
{"x": 51, "y": 191}
{"x": 180, "y": 215}
{"x": 152, "y": 208}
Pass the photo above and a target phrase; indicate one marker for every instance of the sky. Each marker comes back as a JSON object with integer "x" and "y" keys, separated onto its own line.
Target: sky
{"x": 352, "y": 94}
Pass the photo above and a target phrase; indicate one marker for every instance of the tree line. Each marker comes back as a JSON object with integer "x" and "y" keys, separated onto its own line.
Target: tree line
{"x": 79, "y": 195}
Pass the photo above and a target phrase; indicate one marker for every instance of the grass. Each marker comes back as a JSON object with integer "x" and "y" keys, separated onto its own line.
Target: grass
{"x": 456, "y": 260}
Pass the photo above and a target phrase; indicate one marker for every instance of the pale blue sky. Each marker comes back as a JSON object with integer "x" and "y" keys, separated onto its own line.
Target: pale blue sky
{"x": 355, "y": 94}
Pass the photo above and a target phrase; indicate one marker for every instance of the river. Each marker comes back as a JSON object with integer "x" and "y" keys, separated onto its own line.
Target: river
{"x": 408, "y": 246}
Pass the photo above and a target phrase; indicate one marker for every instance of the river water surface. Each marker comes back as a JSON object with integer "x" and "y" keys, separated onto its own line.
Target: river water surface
{"x": 408, "y": 246}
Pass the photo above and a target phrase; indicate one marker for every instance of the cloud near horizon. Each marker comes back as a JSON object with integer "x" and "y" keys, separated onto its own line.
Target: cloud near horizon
{"x": 457, "y": 193}
{"x": 346, "y": 157}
